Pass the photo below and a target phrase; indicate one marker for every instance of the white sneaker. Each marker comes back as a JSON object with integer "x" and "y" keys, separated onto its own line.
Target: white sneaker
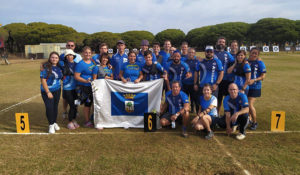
{"x": 240, "y": 136}
{"x": 56, "y": 127}
{"x": 51, "y": 129}
{"x": 234, "y": 128}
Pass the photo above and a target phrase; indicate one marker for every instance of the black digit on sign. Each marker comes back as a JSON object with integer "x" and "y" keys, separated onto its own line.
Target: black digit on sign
{"x": 278, "y": 115}
{"x": 22, "y": 122}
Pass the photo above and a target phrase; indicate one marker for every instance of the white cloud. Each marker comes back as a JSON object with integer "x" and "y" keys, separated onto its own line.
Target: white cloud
{"x": 119, "y": 16}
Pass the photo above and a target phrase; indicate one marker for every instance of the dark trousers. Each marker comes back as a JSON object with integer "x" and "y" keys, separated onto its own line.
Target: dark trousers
{"x": 189, "y": 90}
{"x": 71, "y": 96}
{"x": 51, "y": 105}
{"x": 243, "y": 121}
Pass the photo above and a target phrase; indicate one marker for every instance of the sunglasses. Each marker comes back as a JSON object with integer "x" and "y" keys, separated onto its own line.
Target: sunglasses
{"x": 70, "y": 45}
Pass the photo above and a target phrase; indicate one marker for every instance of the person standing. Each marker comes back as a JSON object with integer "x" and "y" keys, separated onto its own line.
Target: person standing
{"x": 119, "y": 59}
{"x": 258, "y": 73}
{"x": 131, "y": 71}
{"x": 83, "y": 74}
{"x": 103, "y": 48}
{"x": 226, "y": 59}
{"x": 69, "y": 86}
{"x": 50, "y": 89}
{"x": 140, "y": 59}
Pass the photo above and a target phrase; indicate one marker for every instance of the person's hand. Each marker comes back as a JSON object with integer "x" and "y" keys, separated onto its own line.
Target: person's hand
{"x": 173, "y": 117}
{"x": 195, "y": 120}
{"x": 214, "y": 87}
{"x": 195, "y": 87}
{"x": 124, "y": 80}
{"x": 251, "y": 81}
{"x": 234, "y": 117}
{"x": 88, "y": 80}
{"x": 137, "y": 80}
{"x": 165, "y": 77}
{"x": 188, "y": 75}
{"x": 228, "y": 131}
{"x": 242, "y": 91}
{"x": 50, "y": 95}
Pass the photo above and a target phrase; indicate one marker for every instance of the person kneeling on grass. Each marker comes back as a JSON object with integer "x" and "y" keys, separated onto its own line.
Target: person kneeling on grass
{"x": 178, "y": 103}
{"x": 207, "y": 114}
{"x": 236, "y": 110}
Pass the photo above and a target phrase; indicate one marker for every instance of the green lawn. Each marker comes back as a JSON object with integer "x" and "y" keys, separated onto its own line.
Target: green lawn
{"x": 119, "y": 151}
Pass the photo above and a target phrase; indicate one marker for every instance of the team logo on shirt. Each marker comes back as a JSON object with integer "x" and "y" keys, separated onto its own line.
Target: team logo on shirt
{"x": 129, "y": 103}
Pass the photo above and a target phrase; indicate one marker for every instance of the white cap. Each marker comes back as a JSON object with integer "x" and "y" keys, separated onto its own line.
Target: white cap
{"x": 70, "y": 52}
{"x": 209, "y": 48}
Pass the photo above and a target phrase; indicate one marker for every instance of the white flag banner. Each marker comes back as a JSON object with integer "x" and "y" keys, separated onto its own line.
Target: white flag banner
{"x": 118, "y": 104}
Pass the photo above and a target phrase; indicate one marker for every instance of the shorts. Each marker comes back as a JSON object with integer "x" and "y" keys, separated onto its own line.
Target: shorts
{"x": 85, "y": 95}
{"x": 254, "y": 93}
{"x": 214, "y": 121}
{"x": 168, "y": 115}
{"x": 221, "y": 122}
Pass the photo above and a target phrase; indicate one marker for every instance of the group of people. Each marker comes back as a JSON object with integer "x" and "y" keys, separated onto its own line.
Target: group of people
{"x": 191, "y": 84}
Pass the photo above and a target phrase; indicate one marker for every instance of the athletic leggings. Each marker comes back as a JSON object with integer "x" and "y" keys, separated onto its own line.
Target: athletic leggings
{"x": 71, "y": 96}
{"x": 51, "y": 105}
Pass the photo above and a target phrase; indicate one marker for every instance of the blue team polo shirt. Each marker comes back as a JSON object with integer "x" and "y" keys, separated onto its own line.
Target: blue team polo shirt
{"x": 209, "y": 71}
{"x": 241, "y": 79}
{"x": 177, "y": 72}
{"x": 192, "y": 63}
{"x": 53, "y": 81}
{"x": 176, "y": 102}
{"x": 257, "y": 68}
{"x": 140, "y": 59}
{"x": 206, "y": 103}
{"x": 165, "y": 57}
{"x": 131, "y": 71}
{"x": 85, "y": 71}
{"x": 235, "y": 105}
{"x": 226, "y": 59}
{"x": 117, "y": 61}
{"x": 69, "y": 82}
{"x": 147, "y": 71}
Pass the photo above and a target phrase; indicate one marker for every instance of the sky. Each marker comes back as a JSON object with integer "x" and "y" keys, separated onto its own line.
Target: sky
{"x": 119, "y": 16}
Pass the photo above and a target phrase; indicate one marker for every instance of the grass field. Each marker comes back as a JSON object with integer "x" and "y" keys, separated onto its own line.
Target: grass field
{"x": 119, "y": 151}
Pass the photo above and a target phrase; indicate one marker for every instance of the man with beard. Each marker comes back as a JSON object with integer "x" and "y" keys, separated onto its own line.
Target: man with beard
{"x": 209, "y": 70}
{"x": 226, "y": 59}
{"x": 177, "y": 70}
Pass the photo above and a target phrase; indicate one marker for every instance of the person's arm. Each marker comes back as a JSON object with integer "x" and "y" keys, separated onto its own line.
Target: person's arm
{"x": 140, "y": 78}
{"x": 163, "y": 107}
{"x": 80, "y": 79}
{"x": 196, "y": 73}
{"x": 198, "y": 116}
{"x": 220, "y": 78}
{"x": 244, "y": 110}
{"x": 247, "y": 82}
{"x": 121, "y": 77}
{"x": 228, "y": 127}
{"x": 182, "y": 111}
{"x": 45, "y": 86}
{"x": 261, "y": 77}
{"x": 230, "y": 69}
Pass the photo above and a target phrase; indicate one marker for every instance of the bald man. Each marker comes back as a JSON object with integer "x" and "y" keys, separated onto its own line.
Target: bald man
{"x": 236, "y": 110}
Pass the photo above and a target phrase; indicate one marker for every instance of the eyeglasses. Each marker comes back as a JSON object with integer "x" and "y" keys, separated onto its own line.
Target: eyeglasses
{"x": 70, "y": 45}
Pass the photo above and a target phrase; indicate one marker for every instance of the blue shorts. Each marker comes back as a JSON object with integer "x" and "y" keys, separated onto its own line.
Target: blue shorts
{"x": 254, "y": 93}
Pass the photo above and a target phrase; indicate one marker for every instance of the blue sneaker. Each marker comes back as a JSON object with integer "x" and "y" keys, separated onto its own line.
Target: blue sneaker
{"x": 254, "y": 126}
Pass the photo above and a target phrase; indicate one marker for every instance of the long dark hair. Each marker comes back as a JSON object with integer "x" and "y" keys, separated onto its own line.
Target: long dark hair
{"x": 48, "y": 65}
{"x": 104, "y": 55}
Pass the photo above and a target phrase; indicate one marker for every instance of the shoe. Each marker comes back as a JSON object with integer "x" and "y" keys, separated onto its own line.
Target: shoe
{"x": 253, "y": 126}
{"x": 209, "y": 135}
{"x": 71, "y": 125}
{"x": 76, "y": 125}
{"x": 65, "y": 115}
{"x": 56, "y": 127}
{"x": 184, "y": 133}
{"x": 240, "y": 136}
{"x": 89, "y": 124}
{"x": 51, "y": 129}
